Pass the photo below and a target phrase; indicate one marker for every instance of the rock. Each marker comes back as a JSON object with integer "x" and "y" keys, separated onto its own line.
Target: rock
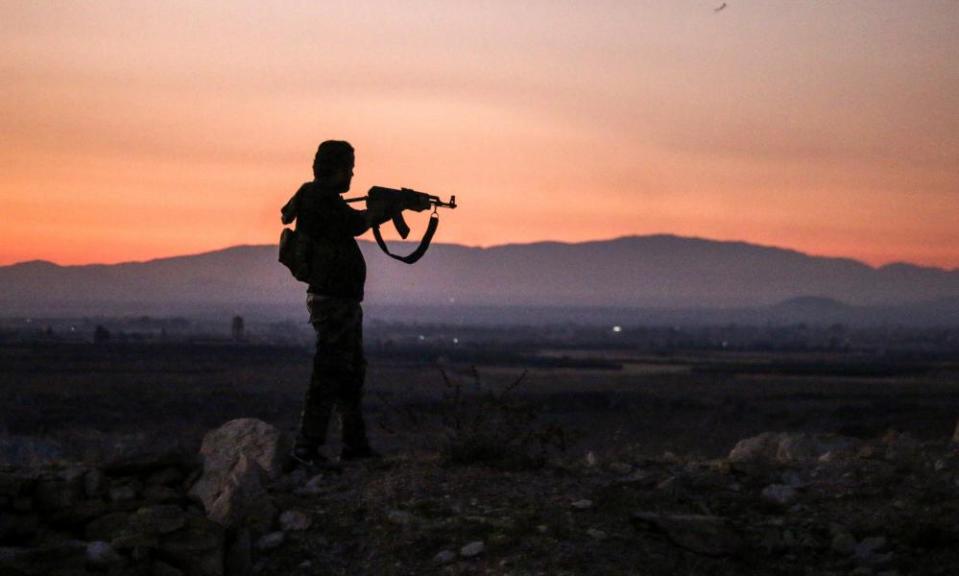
{"x": 399, "y": 517}
{"x": 160, "y": 519}
{"x": 473, "y": 549}
{"x": 621, "y": 468}
{"x": 901, "y": 447}
{"x": 95, "y": 483}
{"x": 596, "y": 534}
{"x": 106, "y": 527}
{"x": 56, "y": 494}
{"x": 102, "y": 556}
{"x": 127, "y": 492}
{"x": 756, "y": 448}
{"x": 867, "y": 551}
{"x": 16, "y": 528}
{"x": 706, "y": 535}
{"x": 313, "y": 487}
{"x": 583, "y": 504}
{"x": 169, "y": 476}
{"x": 197, "y": 549}
{"x": 843, "y": 542}
{"x": 782, "y": 448}
{"x": 242, "y": 499}
{"x": 159, "y": 494}
{"x": 57, "y": 557}
{"x": 444, "y": 557}
{"x": 142, "y": 453}
{"x": 239, "y": 555}
{"x": 295, "y": 521}
{"x": 163, "y": 569}
{"x": 779, "y": 494}
{"x": 270, "y": 541}
{"x": 238, "y": 459}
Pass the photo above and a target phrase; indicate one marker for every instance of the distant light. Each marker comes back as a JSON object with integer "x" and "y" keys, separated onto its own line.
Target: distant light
{"x": 617, "y": 329}
{"x": 452, "y": 300}
{"x": 456, "y": 340}
{"x": 421, "y": 337}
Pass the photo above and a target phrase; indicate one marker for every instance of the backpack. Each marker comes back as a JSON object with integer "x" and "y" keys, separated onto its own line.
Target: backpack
{"x": 295, "y": 247}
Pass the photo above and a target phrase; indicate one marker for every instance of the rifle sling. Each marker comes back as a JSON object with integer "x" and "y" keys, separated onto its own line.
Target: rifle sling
{"x": 420, "y": 250}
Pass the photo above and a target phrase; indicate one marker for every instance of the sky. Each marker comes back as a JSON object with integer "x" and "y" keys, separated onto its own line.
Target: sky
{"x": 138, "y": 130}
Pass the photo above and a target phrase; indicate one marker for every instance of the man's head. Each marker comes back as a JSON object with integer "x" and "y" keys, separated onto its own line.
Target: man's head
{"x": 333, "y": 165}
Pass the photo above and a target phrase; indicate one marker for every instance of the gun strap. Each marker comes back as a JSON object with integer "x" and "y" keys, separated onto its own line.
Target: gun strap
{"x": 420, "y": 250}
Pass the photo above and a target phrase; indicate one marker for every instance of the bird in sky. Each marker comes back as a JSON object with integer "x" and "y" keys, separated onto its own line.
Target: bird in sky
{"x": 721, "y": 7}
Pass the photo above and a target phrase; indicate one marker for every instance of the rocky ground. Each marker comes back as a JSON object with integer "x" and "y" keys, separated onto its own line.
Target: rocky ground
{"x": 777, "y": 504}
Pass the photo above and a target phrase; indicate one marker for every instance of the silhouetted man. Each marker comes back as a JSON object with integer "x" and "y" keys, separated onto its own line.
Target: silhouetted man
{"x": 336, "y": 276}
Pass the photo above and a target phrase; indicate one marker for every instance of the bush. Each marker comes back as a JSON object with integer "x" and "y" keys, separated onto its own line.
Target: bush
{"x": 494, "y": 428}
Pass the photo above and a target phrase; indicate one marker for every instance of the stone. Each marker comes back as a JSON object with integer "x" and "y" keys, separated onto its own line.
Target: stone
{"x": 243, "y": 499}
{"x": 444, "y": 557}
{"x": 772, "y": 447}
{"x": 57, "y": 557}
{"x": 779, "y": 494}
{"x": 95, "y": 483}
{"x": 843, "y": 542}
{"x": 159, "y": 494}
{"x": 399, "y": 517}
{"x": 197, "y": 549}
{"x": 621, "y": 468}
{"x": 583, "y": 504}
{"x": 102, "y": 556}
{"x": 55, "y": 494}
{"x": 160, "y": 568}
{"x": 169, "y": 476}
{"x": 702, "y": 534}
{"x": 867, "y": 551}
{"x": 314, "y": 486}
{"x": 239, "y": 555}
{"x": 15, "y": 528}
{"x": 901, "y": 447}
{"x": 473, "y": 549}
{"x": 239, "y": 458}
{"x": 106, "y": 527}
{"x": 160, "y": 519}
{"x": 596, "y": 534}
{"x": 123, "y": 493}
{"x": 756, "y": 448}
{"x": 271, "y": 541}
{"x": 16, "y": 483}
{"x": 295, "y": 521}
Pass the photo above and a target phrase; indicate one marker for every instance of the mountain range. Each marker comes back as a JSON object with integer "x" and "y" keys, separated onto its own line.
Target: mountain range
{"x": 654, "y": 273}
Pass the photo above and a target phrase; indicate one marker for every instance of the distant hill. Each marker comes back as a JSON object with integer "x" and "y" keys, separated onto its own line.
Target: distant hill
{"x": 651, "y": 272}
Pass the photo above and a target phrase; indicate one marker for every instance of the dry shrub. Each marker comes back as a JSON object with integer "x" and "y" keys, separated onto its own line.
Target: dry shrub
{"x": 495, "y": 428}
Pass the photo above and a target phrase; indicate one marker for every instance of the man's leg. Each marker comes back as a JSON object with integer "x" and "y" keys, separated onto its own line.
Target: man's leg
{"x": 349, "y": 396}
{"x": 332, "y": 364}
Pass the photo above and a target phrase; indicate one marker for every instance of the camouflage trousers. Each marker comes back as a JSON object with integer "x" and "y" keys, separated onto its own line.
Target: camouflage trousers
{"x": 339, "y": 369}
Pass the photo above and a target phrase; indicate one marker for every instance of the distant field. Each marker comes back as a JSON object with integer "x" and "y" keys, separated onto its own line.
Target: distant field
{"x": 699, "y": 403}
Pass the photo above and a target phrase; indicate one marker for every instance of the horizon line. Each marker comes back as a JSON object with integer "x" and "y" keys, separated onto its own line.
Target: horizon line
{"x": 495, "y": 246}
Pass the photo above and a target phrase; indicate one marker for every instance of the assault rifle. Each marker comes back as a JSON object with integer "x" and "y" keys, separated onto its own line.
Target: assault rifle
{"x": 391, "y": 200}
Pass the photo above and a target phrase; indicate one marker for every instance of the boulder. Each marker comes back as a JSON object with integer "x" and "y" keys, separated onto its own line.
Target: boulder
{"x": 782, "y": 448}
{"x": 239, "y": 458}
{"x": 706, "y": 535}
{"x": 197, "y": 549}
{"x": 756, "y": 448}
{"x": 242, "y": 499}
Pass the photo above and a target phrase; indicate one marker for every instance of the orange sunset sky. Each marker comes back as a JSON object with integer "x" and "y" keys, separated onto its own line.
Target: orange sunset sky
{"x": 136, "y": 130}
